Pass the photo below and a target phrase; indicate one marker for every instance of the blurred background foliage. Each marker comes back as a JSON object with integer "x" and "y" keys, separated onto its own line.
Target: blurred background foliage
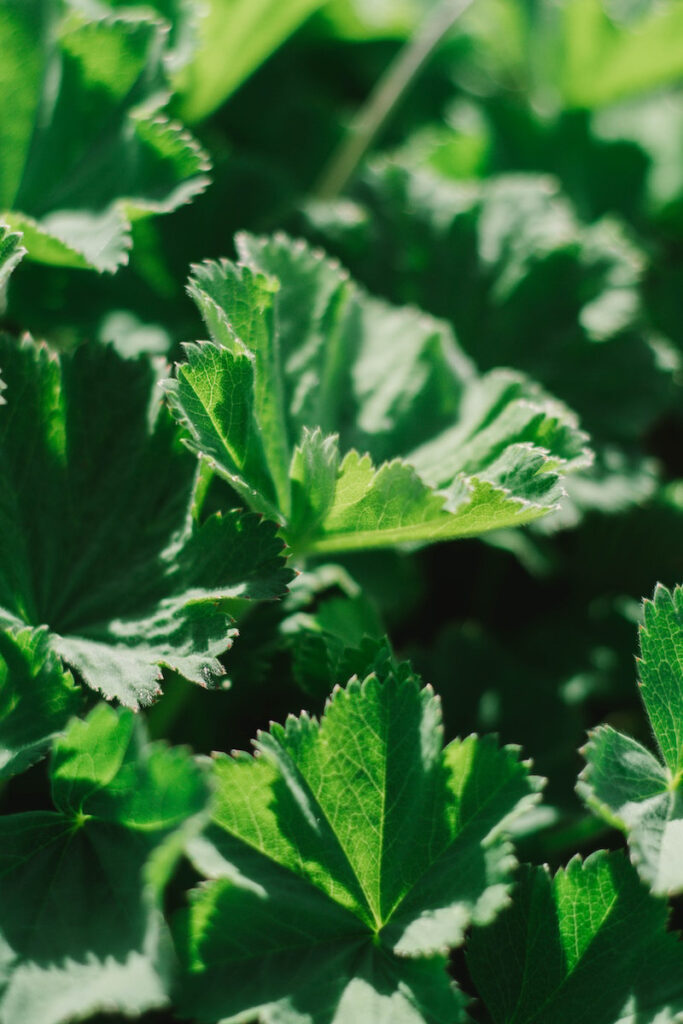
{"x": 528, "y": 187}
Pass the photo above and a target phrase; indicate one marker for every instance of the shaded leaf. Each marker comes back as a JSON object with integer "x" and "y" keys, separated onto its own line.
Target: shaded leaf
{"x": 37, "y": 697}
{"x": 235, "y": 37}
{"x": 85, "y": 146}
{"x": 589, "y": 944}
{"x": 112, "y": 562}
{"x": 80, "y": 924}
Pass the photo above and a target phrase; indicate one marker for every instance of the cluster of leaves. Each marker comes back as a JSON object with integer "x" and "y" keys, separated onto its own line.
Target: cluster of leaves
{"x": 477, "y": 344}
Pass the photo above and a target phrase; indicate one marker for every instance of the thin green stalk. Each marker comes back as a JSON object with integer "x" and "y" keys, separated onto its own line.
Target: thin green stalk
{"x": 386, "y": 95}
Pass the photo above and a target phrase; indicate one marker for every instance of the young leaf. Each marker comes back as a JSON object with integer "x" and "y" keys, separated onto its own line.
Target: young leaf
{"x": 345, "y": 859}
{"x": 80, "y": 925}
{"x": 84, "y": 146}
{"x": 96, "y": 537}
{"x": 298, "y": 351}
{"x": 623, "y": 781}
{"x": 589, "y": 945}
{"x": 37, "y": 698}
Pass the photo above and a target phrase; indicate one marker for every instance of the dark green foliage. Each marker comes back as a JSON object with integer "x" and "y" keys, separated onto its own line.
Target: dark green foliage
{"x": 306, "y": 445}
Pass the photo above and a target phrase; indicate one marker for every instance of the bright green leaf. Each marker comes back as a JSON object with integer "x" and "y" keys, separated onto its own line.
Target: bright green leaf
{"x": 298, "y": 352}
{"x": 111, "y": 561}
{"x": 589, "y": 945}
{"x": 352, "y": 850}
{"x": 604, "y": 62}
{"x": 623, "y": 781}
{"x": 84, "y": 145}
{"x": 235, "y": 37}
{"x": 80, "y": 928}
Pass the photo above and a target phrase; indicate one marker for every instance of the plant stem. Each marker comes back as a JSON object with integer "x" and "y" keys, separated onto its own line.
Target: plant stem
{"x": 386, "y": 95}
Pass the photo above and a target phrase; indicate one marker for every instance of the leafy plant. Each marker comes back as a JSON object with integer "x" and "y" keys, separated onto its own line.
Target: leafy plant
{"x": 86, "y": 147}
{"x": 260, "y": 400}
{"x": 168, "y": 515}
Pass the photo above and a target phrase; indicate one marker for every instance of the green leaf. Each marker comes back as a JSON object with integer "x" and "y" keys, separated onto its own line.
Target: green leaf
{"x": 80, "y": 925}
{"x": 331, "y": 637}
{"x": 299, "y": 351}
{"x": 604, "y": 61}
{"x": 37, "y": 698}
{"x": 235, "y": 37}
{"x": 11, "y": 253}
{"x": 497, "y": 256}
{"x": 623, "y": 781}
{"x": 661, "y": 673}
{"x": 345, "y": 858}
{"x": 589, "y": 944}
{"x": 85, "y": 146}
{"x": 182, "y": 18}
{"x": 97, "y": 541}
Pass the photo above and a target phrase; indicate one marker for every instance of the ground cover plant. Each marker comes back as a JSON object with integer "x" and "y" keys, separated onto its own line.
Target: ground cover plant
{"x": 341, "y": 512}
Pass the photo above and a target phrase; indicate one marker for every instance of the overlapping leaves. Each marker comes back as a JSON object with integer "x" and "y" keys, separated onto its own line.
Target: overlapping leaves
{"x": 626, "y": 783}
{"x": 344, "y": 859}
{"x": 84, "y": 144}
{"x": 299, "y": 351}
{"x": 80, "y": 925}
{"x": 523, "y": 282}
{"x": 97, "y": 540}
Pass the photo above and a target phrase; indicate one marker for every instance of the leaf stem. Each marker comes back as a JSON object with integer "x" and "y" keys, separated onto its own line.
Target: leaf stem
{"x": 386, "y": 95}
